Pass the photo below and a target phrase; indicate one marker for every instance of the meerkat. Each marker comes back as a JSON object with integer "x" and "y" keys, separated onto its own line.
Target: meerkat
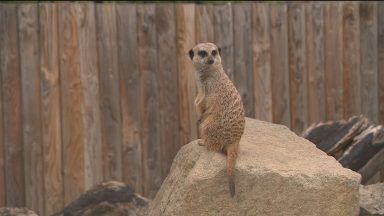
{"x": 218, "y": 105}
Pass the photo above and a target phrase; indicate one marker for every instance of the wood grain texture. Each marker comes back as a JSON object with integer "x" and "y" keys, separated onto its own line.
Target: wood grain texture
{"x": 11, "y": 78}
{"x": 72, "y": 102}
{"x": 333, "y": 69}
{"x": 223, "y": 36}
{"x": 243, "y": 77}
{"x": 2, "y": 146}
{"x": 31, "y": 112}
{"x": 204, "y": 23}
{"x": 279, "y": 64}
{"x": 380, "y": 25}
{"x": 185, "y": 40}
{"x": 149, "y": 115}
{"x": 167, "y": 81}
{"x": 297, "y": 70}
{"x": 368, "y": 60}
{"x": 90, "y": 90}
{"x": 315, "y": 61}
{"x": 351, "y": 60}
{"x": 50, "y": 108}
{"x": 130, "y": 95}
{"x": 261, "y": 61}
{"x": 109, "y": 90}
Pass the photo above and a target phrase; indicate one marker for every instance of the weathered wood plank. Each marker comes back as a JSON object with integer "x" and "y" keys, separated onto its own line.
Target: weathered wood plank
{"x": 223, "y": 36}
{"x": 351, "y": 60}
{"x": 315, "y": 61}
{"x": 30, "y": 100}
{"x": 368, "y": 60}
{"x": 261, "y": 62}
{"x": 149, "y": 115}
{"x": 10, "y": 72}
{"x": 168, "y": 89}
{"x": 380, "y": 36}
{"x": 243, "y": 77}
{"x": 2, "y": 145}
{"x": 279, "y": 64}
{"x": 90, "y": 89}
{"x": 72, "y": 102}
{"x": 297, "y": 70}
{"x": 185, "y": 40}
{"x": 333, "y": 69}
{"x": 109, "y": 90}
{"x": 50, "y": 108}
{"x": 204, "y": 23}
{"x": 130, "y": 95}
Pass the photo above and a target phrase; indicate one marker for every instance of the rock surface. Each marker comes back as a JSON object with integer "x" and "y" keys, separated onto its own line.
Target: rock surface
{"x": 372, "y": 199}
{"x": 109, "y": 198}
{"x": 277, "y": 173}
{"x": 8, "y": 211}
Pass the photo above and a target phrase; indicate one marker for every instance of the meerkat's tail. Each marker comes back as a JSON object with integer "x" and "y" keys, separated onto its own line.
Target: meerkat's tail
{"x": 231, "y": 161}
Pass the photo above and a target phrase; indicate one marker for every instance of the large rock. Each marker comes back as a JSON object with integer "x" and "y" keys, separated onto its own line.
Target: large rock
{"x": 372, "y": 199}
{"x": 277, "y": 173}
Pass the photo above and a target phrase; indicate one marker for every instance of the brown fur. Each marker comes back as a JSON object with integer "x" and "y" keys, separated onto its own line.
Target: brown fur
{"x": 219, "y": 107}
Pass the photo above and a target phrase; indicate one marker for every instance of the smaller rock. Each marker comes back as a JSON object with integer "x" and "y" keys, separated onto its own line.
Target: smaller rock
{"x": 372, "y": 199}
{"x": 9, "y": 211}
{"x": 109, "y": 198}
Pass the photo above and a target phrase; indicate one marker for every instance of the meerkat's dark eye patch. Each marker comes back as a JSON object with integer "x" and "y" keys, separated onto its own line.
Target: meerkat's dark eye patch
{"x": 202, "y": 53}
{"x": 214, "y": 52}
{"x": 191, "y": 54}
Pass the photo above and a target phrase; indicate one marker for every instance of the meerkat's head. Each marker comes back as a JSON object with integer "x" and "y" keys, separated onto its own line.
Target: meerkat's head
{"x": 205, "y": 56}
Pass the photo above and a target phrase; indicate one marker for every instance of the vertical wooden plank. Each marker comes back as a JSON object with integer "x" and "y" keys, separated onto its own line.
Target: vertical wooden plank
{"x": 2, "y": 146}
{"x": 90, "y": 90}
{"x": 13, "y": 144}
{"x": 261, "y": 61}
{"x": 242, "y": 17}
{"x": 72, "y": 102}
{"x": 333, "y": 69}
{"x": 109, "y": 90}
{"x": 223, "y": 35}
{"x": 297, "y": 71}
{"x": 380, "y": 36}
{"x": 368, "y": 60}
{"x": 50, "y": 108}
{"x": 279, "y": 64}
{"x": 130, "y": 95}
{"x": 150, "y": 133}
{"x": 351, "y": 60}
{"x": 185, "y": 28}
{"x": 168, "y": 89}
{"x": 315, "y": 61}
{"x": 31, "y": 113}
{"x": 204, "y": 23}
{"x": 380, "y": 31}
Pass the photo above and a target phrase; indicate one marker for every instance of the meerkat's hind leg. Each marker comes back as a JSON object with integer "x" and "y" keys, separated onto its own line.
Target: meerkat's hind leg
{"x": 201, "y": 142}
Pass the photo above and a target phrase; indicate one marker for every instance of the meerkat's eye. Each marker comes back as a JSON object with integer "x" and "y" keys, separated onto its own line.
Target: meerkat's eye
{"x": 214, "y": 52}
{"x": 202, "y": 53}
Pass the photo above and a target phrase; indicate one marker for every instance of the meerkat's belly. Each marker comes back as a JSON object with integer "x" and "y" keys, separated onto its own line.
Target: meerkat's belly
{"x": 225, "y": 124}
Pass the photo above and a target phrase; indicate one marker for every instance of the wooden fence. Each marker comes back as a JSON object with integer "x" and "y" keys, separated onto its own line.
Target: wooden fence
{"x": 93, "y": 92}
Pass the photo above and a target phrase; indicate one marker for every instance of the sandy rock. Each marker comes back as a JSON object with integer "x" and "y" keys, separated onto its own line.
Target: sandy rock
{"x": 10, "y": 211}
{"x": 277, "y": 173}
{"x": 372, "y": 199}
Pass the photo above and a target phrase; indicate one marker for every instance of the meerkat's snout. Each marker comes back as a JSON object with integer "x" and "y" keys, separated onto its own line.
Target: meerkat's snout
{"x": 210, "y": 60}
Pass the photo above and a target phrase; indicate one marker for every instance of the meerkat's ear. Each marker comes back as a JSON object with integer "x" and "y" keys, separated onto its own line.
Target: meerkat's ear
{"x": 191, "y": 54}
{"x": 218, "y": 48}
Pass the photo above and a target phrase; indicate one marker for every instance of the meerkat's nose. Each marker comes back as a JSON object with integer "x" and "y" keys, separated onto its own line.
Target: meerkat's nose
{"x": 210, "y": 60}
